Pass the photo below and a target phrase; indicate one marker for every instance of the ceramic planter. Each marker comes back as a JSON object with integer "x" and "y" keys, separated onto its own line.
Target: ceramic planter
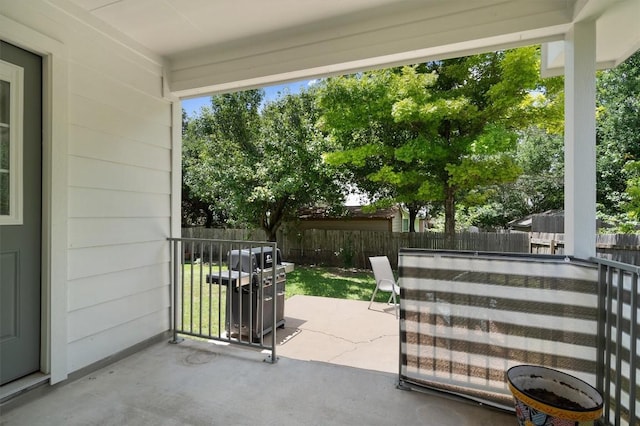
{"x": 547, "y": 397}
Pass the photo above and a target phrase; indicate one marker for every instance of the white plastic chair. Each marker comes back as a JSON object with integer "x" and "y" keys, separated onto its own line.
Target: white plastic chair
{"x": 385, "y": 281}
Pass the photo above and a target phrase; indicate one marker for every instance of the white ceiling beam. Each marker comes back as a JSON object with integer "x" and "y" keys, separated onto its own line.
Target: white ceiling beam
{"x": 619, "y": 21}
{"x": 363, "y": 46}
{"x": 217, "y": 80}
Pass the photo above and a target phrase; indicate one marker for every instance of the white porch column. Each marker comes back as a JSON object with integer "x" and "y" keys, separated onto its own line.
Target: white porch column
{"x": 580, "y": 141}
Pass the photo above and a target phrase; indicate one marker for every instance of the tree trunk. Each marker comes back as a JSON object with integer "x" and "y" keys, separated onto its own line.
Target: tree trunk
{"x": 413, "y": 213}
{"x": 209, "y": 217}
{"x": 271, "y": 229}
{"x": 271, "y": 235}
{"x": 272, "y": 222}
{"x": 450, "y": 217}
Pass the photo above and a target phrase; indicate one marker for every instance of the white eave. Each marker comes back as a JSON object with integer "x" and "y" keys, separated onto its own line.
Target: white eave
{"x": 224, "y": 45}
{"x": 618, "y": 36}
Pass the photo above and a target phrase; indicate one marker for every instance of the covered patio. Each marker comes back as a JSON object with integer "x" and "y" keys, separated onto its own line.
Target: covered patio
{"x": 338, "y": 365}
{"x": 113, "y": 76}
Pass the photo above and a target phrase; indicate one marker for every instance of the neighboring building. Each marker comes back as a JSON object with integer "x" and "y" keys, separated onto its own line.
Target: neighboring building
{"x": 551, "y": 221}
{"x": 393, "y": 219}
{"x": 522, "y": 224}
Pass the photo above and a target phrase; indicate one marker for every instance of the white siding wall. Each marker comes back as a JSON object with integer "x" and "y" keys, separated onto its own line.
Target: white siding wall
{"x": 396, "y": 224}
{"x": 119, "y": 187}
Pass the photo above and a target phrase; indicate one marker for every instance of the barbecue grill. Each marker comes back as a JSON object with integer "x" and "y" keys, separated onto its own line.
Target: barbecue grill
{"x": 251, "y": 291}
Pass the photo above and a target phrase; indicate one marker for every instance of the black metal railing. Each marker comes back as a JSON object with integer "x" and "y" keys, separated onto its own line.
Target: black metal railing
{"x": 616, "y": 377}
{"x": 223, "y": 290}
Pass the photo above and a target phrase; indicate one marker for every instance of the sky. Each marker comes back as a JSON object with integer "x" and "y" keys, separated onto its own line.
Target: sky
{"x": 193, "y": 106}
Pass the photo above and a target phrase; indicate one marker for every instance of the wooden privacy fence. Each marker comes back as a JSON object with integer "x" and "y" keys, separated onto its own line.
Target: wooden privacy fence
{"x": 623, "y": 248}
{"x": 353, "y": 248}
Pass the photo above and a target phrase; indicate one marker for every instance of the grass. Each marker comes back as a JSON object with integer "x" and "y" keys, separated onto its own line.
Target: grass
{"x": 201, "y": 315}
{"x": 200, "y": 312}
{"x": 339, "y": 283}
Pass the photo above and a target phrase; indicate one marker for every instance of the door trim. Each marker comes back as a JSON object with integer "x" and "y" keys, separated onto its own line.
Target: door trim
{"x": 53, "y": 357}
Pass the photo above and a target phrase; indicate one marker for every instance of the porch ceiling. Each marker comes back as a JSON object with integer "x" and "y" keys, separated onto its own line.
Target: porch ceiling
{"x": 212, "y": 46}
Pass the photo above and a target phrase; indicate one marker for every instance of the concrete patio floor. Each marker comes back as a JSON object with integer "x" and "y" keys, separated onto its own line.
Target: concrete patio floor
{"x": 337, "y": 365}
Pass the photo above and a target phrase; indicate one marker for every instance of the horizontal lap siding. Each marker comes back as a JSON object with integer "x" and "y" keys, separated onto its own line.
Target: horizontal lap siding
{"x": 467, "y": 320}
{"x": 83, "y": 352}
{"x": 91, "y": 143}
{"x": 96, "y": 261}
{"x": 95, "y": 319}
{"x": 119, "y": 198}
{"x": 95, "y": 290}
{"x": 94, "y": 232}
{"x": 97, "y": 203}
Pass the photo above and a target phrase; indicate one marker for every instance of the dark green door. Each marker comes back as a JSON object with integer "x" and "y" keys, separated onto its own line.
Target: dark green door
{"x": 20, "y": 211}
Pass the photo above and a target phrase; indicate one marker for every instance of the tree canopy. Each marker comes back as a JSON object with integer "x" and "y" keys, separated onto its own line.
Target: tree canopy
{"x": 618, "y": 136}
{"x": 480, "y": 135}
{"x": 258, "y": 164}
{"x": 540, "y": 187}
{"x": 440, "y": 132}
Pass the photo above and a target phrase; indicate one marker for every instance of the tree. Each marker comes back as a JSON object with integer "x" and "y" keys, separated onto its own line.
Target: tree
{"x": 215, "y": 140}
{"x": 442, "y": 132}
{"x": 633, "y": 190}
{"x": 357, "y": 116}
{"x": 618, "y": 133}
{"x": 291, "y": 172}
{"x": 539, "y": 188}
{"x": 261, "y": 165}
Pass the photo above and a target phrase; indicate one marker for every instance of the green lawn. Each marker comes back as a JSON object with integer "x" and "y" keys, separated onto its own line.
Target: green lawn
{"x": 200, "y": 312}
{"x": 340, "y": 283}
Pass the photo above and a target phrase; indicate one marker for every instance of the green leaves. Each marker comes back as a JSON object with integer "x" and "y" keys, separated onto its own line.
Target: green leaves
{"x": 495, "y": 139}
{"x": 437, "y": 131}
{"x": 633, "y": 189}
{"x": 472, "y": 172}
{"x": 259, "y": 166}
{"x": 618, "y": 135}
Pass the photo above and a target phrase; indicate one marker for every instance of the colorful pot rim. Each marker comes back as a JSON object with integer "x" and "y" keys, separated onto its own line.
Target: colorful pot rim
{"x": 585, "y": 414}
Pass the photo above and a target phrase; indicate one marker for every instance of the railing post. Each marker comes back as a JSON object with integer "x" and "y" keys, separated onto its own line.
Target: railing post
{"x": 619, "y": 327}
{"x": 174, "y": 286}
{"x": 601, "y": 341}
{"x": 274, "y": 289}
{"x": 633, "y": 349}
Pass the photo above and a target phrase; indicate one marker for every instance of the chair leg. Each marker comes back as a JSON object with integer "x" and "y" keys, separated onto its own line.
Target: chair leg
{"x": 395, "y": 304}
{"x": 372, "y": 296}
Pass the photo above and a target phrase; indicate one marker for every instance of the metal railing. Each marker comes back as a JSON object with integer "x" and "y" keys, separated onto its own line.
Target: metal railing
{"x": 617, "y": 358}
{"x": 213, "y": 300}
{"x": 466, "y": 317}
